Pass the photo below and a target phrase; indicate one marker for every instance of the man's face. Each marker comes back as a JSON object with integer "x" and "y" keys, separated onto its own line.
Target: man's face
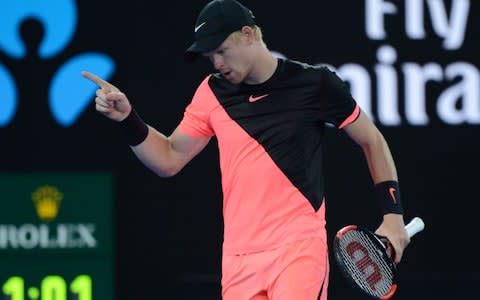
{"x": 232, "y": 58}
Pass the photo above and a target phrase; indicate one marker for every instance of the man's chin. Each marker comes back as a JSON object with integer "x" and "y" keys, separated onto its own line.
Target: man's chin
{"x": 233, "y": 79}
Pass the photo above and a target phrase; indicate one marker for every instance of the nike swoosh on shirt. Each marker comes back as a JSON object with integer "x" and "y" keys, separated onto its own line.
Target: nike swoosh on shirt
{"x": 392, "y": 191}
{"x": 253, "y": 99}
{"x": 199, "y": 26}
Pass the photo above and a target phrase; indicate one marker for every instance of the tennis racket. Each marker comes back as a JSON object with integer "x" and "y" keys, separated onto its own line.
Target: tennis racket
{"x": 363, "y": 259}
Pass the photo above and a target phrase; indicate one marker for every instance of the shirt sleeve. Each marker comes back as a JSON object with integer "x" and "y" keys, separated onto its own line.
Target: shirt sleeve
{"x": 196, "y": 118}
{"x": 338, "y": 106}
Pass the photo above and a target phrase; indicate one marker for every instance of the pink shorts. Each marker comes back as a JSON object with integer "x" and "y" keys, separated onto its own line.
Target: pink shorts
{"x": 296, "y": 271}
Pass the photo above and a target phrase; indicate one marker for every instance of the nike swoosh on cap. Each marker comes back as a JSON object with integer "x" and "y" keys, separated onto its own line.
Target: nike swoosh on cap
{"x": 199, "y": 26}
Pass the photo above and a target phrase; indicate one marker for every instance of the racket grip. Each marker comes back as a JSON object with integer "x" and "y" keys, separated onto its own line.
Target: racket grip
{"x": 414, "y": 226}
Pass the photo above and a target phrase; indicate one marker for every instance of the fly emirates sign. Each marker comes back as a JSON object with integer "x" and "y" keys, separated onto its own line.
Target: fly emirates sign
{"x": 398, "y": 92}
{"x": 457, "y": 102}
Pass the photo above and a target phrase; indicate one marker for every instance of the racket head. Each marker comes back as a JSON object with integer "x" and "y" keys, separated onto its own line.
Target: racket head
{"x": 362, "y": 258}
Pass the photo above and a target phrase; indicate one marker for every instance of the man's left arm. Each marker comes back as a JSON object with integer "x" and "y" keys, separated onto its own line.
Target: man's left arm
{"x": 384, "y": 175}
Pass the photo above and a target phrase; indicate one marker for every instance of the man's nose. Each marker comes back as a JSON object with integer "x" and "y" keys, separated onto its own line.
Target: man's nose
{"x": 217, "y": 61}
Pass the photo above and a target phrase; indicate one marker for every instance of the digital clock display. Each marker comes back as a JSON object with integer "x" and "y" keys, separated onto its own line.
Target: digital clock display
{"x": 52, "y": 287}
{"x": 56, "y": 236}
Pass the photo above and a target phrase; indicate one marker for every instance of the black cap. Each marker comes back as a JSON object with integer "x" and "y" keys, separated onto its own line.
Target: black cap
{"x": 216, "y": 21}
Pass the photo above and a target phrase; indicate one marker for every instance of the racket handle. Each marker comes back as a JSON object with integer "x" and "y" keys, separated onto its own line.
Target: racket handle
{"x": 414, "y": 226}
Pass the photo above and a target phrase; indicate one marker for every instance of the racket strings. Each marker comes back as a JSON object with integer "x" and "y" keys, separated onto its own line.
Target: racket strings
{"x": 366, "y": 263}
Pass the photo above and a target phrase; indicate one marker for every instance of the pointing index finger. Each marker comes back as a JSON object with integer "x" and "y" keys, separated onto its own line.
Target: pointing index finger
{"x": 106, "y": 86}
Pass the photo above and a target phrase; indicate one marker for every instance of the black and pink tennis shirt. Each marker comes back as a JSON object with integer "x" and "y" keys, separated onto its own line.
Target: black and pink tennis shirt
{"x": 270, "y": 139}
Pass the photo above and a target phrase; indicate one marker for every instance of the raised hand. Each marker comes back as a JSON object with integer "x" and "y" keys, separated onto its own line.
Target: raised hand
{"x": 109, "y": 101}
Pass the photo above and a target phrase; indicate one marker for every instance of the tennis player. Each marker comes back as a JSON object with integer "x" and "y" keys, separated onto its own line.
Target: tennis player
{"x": 268, "y": 116}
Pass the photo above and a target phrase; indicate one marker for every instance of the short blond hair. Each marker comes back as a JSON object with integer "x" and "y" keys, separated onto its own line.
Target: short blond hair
{"x": 258, "y": 34}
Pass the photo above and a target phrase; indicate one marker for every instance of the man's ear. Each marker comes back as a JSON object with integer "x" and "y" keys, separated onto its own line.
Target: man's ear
{"x": 249, "y": 33}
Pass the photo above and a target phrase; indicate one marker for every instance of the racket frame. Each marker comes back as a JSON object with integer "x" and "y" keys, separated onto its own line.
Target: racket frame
{"x": 381, "y": 245}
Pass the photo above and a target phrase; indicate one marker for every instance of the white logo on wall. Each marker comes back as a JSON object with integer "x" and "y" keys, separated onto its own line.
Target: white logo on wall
{"x": 457, "y": 103}
{"x": 45, "y": 236}
{"x": 47, "y": 200}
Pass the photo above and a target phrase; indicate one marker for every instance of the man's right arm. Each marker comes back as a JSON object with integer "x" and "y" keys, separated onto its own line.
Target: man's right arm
{"x": 166, "y": 156}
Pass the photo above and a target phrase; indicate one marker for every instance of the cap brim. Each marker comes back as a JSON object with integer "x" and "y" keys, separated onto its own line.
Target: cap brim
{"x": 204, "y": 45}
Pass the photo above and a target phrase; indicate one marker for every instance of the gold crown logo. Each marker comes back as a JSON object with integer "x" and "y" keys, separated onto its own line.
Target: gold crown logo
{"x": 47, "y": 200}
